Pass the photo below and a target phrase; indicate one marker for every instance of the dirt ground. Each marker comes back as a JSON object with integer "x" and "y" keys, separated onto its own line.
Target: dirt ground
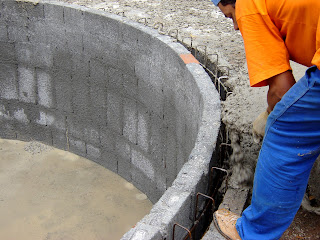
{"x": 50, "y": 194}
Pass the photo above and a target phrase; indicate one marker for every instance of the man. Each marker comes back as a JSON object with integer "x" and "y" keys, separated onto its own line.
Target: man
{"x": 275, "y": 31}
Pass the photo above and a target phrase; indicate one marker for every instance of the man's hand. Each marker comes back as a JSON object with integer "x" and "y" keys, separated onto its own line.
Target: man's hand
{"x": 259, "y": 126}
{"x": 278, "y": 86}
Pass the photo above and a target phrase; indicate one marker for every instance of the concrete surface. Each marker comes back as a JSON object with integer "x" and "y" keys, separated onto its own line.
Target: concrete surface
{"x": 47, "y": 193}
{"x": 115, "y": 92}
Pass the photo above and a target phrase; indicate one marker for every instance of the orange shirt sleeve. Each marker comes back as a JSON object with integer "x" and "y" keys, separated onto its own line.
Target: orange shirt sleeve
{"x": 265, "y": 49}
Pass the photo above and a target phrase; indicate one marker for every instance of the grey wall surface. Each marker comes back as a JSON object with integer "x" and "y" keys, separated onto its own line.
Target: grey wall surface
{"x": 112, "y": 91}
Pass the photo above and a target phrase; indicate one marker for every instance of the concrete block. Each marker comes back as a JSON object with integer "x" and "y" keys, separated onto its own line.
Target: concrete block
{"x": 76, "y": 127}
{"x": 31, "y": 10}
{"x": 45, "y": 88}
{"x": 74, "y": 40}
{"x": 77, "y": 146}
{"x": 150, "y": 97}
{"x": 144, "y": 184}
{"x": 107, "y": 137}
{"x": 93, "y": 153}
{"x": 98, "y": 86}
{"x": 69, "y": 16}
{"x": 54, "y": 14}
{"x": 123, "y": 151}
{"x": 143, "y": 163}
{"x": 130, "y": 120}
{"x": 143, "y": 231}
{"x": 7, "y": 129}
{"x": 20, "y": 115}
{"x": 157, "y": 138}
{"x": 55, "y": 36}
{"x": 3, "y": 32}
{"x": 27, "y": 84}
{"x": 130, "y": 85}
{"x": 142, "y": 68}
{"x": 8, "y": 52}
{"x": 60, "y": 121}
{"x": 60, "y": 139}
{"x": 8, "y": 83}
{"x": 115, "y": 79}
{"x": 62, "y": 59}
{"x": 62, "y": 90}
{"x": 42, "y": 55}
{"x": 80, "y": 96}
{"x": 143, "y": 128}
{"x": 171, "y": 157}
{"x": 40, "y": 133}
{"x": 91, "y": 134}
{"x": 18, "y": 33}
{"x": 115, "y": 112}
{"x": 45, "y": 119}
{"x": 109, "y": 160}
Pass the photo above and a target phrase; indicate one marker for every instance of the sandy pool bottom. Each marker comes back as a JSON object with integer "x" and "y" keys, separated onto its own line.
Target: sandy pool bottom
{"x": 49, "y": 194}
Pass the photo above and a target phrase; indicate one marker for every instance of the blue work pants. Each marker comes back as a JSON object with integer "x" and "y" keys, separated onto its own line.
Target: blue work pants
{"x": 289, "y": 150}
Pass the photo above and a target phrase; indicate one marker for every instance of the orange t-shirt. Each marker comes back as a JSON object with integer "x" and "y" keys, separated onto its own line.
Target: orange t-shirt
{"x": 276, "y": 31}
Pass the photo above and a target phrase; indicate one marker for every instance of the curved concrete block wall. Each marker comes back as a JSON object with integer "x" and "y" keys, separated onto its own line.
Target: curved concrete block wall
{"x": 115, "y": 92}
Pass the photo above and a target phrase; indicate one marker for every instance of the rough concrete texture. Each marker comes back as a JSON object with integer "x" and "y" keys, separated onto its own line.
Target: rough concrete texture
{"x": 113, "y": 91}
{"x": 201, "y": 25}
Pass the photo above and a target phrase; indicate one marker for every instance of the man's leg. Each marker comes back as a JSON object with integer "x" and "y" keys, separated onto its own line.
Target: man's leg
{"x": 290, "y": 147}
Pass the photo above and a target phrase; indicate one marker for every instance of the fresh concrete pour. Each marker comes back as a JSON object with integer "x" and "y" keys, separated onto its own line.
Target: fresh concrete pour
{"x": 115, "y": 92}
{"x": 52, "y": 194}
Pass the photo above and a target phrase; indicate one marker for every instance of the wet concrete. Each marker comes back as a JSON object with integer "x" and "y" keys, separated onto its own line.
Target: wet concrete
{"x": 46, "y": 193}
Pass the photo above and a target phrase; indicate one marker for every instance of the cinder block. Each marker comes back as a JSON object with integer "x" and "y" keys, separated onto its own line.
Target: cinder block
{"x": 8, "y": 52}
{"x": 44, "y": 118}
{"x": 115, "y": 79}
{"x": 8, "y": 83}
{"x": 157, "y": 138}
{"x": 143, "y": 128}
{"x": 98, "y": 93}
{"x": 143, "y": 163}
{"x": 144, "y": 184}
{"x": 27, "y": 84}
{"x": 74, "y": 19}
{"x": 42, "y": 54}
{"x": 130, "y": 120}
{"x": 76, "y": 127}
{"x": 18, "y": 31}
{"x": 123, "y": 151}
{"x": 31, "y": 10}
{"x": 151, "y": 97}
{"x": 45, "y": 88}
{"x": 80, "y": 96}
{"x": 3, "y": 32}
{"x": 109, "y": 160}
{"x": 91, "y": 134}
{"x": 62, "y": 90}
{"x": 107, "y": 139}
{"x": 60, "y": 139}
{"x": 77, "y": 146}
{"x": 115, "y": 112}
{"x": 7, "y": 129}
{"x": 54, "y": 14}
{"x": 93, "y": 153}
{"x": 171, "y": 157}
{"x": 40, "y": 133}
{"x": 130, "y": 85}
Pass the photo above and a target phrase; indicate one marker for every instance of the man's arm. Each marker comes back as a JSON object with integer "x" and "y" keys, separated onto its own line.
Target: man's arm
{"x": 278, "y": 86}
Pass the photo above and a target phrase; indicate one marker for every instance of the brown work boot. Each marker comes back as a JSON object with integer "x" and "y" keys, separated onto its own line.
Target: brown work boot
{"x": 225, "y": 222}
